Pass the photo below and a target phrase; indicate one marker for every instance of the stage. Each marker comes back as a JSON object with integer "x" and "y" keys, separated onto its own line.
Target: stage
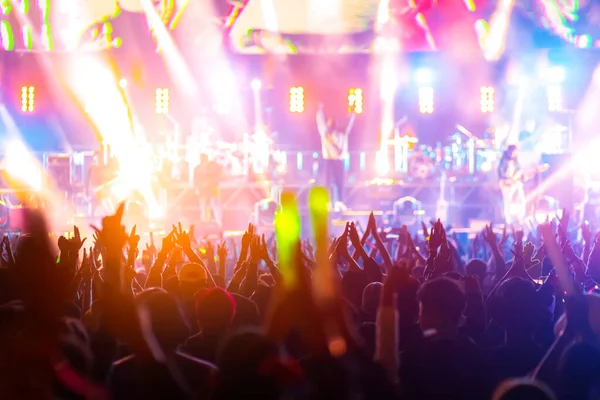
{"x": 242, "y": 202}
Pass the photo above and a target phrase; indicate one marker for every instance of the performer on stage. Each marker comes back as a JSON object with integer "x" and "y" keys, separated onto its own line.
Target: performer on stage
{"x": 334, "y": 147}
{"x": 207, "y": 176}
{"x": 100, "y": 179}
{"x": 511, "y": 184}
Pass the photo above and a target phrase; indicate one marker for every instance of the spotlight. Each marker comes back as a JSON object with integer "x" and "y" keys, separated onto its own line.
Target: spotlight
{"x": 123, "y": 83}
{"x": 424, "y": 76}
{"x": 163, "y": 100}
{"x": 297, "y": 99}
{"x": 486, "y": 99}
{"x": 355, "y": 101}
{"x": 27, "y": 99}
{"x": 256, "y": 84}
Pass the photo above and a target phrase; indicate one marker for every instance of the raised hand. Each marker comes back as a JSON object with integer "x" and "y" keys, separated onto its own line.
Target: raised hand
{"x": 517, "y": 251}
{"x": 540, "y": 253}
{"x": 504, "y": 236}
{"x": 96, "y": 238}
{"x": 564, "y": 219}
{"x": 192, "y": 233}
{"x": 210, "y": 250}
{"x": 134, "y": 239}
{"x": 85, "y": 268}
{"x": 182, "y": 238}
{"x": 528, "y": 251}
{"x": 150, "y": 250}
{"x": 443, "y": 261}
{"x": 353, "y": 235}
{"x": 517, "y": 234}
{"x": 425, "y": 232}
{"x": 309, "y": 249}
{"x": 371, "y": 225}
{"x": 113, "y": 235}
{"x": 255, "y": 249}
{"x": 437, "y": 236}
{"x": 6, "y": 247}
{"x": 246, "y": 239}
{"x": 76, "y": 241}
{"x": 568, "y": 252}
{"x": 563, "y": 226}
{"x": 586, "y": 233}
{"x": 222, "y": 251}
{"x": 489, "y": 236}
{"x": 264, "y": 250}
{"x": 342, "y": 244}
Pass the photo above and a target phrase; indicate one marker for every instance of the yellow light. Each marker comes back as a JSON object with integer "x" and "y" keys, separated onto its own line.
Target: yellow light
{"x": 27, "y": 98}
{"x": 486, "y": 99}
{"x": 355, "y": 100}
{"x": 297, "y": 99}
{"x": 163, "y": 101}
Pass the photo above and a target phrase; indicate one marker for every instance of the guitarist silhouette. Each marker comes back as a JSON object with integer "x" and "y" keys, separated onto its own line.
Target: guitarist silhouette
{"x": 511, "y": 186}
{"x": 511, "y": 179}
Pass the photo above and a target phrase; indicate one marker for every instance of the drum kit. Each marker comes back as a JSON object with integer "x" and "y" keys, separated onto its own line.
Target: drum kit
{"x": 462, "y": 155}
{"x": 252, "y": 155}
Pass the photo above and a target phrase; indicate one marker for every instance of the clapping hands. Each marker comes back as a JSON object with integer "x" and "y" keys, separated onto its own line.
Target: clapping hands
{"x": 437, "y": 237}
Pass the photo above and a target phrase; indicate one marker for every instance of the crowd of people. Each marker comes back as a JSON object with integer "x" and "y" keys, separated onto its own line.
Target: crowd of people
{"x": 359, "y": 316}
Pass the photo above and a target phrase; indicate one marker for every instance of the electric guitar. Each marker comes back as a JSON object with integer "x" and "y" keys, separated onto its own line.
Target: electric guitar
{"x": 522, "y": 177}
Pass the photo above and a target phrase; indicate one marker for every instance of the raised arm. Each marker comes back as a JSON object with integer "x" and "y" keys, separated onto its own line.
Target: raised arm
{"x": 350, "y": 123}
{"x": 321, "y": 123}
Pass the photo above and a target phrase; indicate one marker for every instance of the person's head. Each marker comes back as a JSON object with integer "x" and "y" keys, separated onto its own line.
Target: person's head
{"x": 523, "y": 389}
{"x": 478, "y": 268}
{"x": 192, "y": 277}
{"x": 262, "y": 297}
{"x": 352, "y": 285}
{"x": 215, "y": 309}
{"x": 249, "y": 363}
{"x": 441, "y": 305}
{"x": 515, "y": 305}
{"x": 579, "y": 372}
{"x": 512, "y": 151}
{"x": 370, "y": 299}
{"x": 407, "y": 303}
{"x": 246, "y": 312}
{"x": 161, "y": 316}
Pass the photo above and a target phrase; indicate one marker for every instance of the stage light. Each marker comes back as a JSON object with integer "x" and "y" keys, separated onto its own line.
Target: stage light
{"x": 123, "y": 83}
{"x": 297, "y": 99}
{"x": 486, "y": 99}
{"x": 555, "y": 98}
{"x": 355, "y": 101}
{"x": 556, "y": 74}
{"x": 163, "y": 100}
{"x": 426, "y": 100}
{"x": 27, "y": 99}
{"x": 424, "y": 76}
{"x": 256, "y": 84}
